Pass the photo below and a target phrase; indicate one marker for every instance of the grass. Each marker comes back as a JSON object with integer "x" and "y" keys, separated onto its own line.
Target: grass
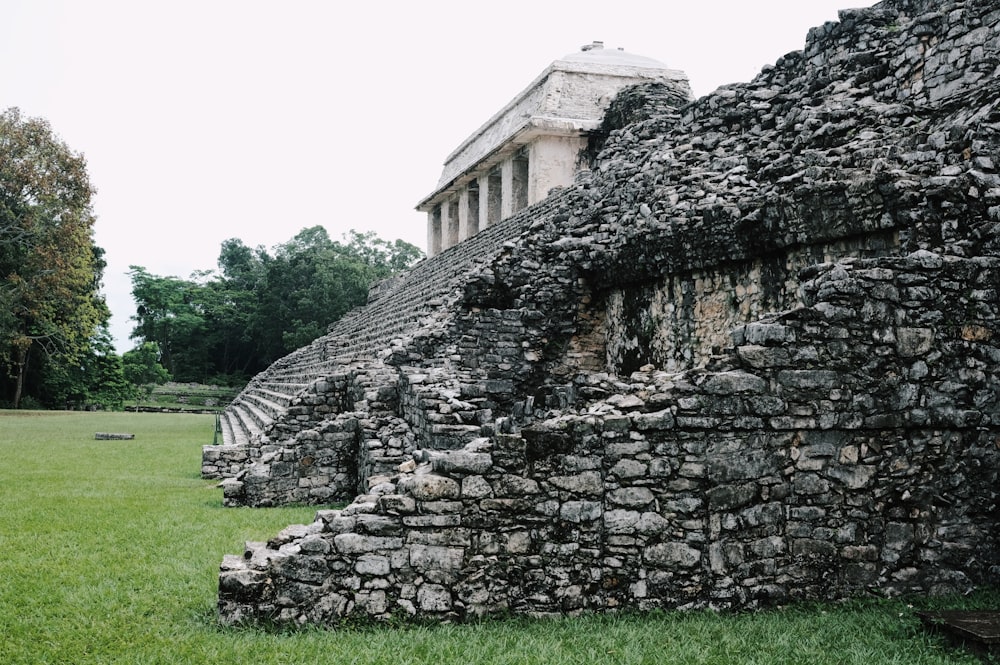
{"x": 109, "y": 552}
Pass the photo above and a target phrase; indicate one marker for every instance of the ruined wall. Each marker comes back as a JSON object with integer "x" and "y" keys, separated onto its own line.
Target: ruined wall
{"x": 329, "y": 420}
{"x": 749, "y": 358}
{"x": 683, "y": 320}
{"x": 839, "y": 454}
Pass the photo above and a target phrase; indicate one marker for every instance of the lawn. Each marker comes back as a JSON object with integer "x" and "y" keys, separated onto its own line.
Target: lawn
{"x": 109, "y": 553}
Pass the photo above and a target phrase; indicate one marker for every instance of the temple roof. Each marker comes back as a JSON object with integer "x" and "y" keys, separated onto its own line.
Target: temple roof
{"x": 568, "y": 97}
{"x": 596, "y": 53}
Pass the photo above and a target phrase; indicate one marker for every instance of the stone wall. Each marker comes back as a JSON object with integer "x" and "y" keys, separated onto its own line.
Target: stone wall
{"x": 377, "y": 374}
{"x": 749, "y": 358}
{"x": 850, "y": 446}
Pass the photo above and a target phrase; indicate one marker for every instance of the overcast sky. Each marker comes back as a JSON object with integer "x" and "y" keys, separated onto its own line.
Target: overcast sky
{"x": 203, "y": 120}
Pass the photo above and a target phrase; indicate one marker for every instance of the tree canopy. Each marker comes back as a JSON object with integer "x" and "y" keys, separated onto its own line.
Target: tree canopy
{"x": 228, "y": 325}
{"x": 217, "y": 326}
{"x": 51, "y": 310}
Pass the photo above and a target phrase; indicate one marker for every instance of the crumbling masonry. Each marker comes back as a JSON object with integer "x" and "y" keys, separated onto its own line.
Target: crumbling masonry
{"x": 752, "y": 356}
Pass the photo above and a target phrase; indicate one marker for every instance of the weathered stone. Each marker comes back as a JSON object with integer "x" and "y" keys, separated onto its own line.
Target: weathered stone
{"x": 395, "y": 504}
{"x": 511, "y": 485}
{"x": 311, "y": 569}
{"x": 581, "y": 511}
{"x": 672, "y": 554}
{"x": 912, "y": 342}
{"x": 430, "y": 487}
{"x": 476, "y": 487}
{"x": 370, "y": 564}
{"x": 728, "y": 383}
{"x": 659, "y": 420}
{"x": 434, "y": 598}
{"x": 353, "y": 543}
{"x": 587, "y": 483}
{"x": 429, "y": 557}
{"x": 636, "y": 497}
{"x": 644, "y": 391}
{"x": 463, "y": 462}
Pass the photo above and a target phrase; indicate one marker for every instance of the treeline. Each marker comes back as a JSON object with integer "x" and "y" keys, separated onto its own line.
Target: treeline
{"x": 55, "y": 347}
{"x": 54, "y": 342}
{"x": 223, "y": 327}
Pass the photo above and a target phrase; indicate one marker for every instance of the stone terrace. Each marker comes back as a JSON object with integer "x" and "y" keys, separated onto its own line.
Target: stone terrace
{"x": 752, "y": 358}
{"x": 403, "y": 316}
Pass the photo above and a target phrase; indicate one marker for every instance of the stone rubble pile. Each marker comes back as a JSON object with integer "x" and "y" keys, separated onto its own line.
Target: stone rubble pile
{"x": 750, "y": 357}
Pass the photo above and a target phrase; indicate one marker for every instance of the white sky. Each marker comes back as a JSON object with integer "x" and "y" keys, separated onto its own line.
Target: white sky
{"x": 203, "y": 120}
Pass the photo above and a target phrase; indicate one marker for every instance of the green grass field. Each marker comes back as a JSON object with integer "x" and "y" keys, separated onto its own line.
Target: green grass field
{"x": 109, "y": 553}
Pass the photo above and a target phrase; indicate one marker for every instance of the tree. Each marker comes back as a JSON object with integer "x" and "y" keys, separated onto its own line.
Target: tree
{"x": 260, "y": 306}
{"x": 96, "y": 381}
{"x": 171, "y": 313}
{"x": 50, "y": 269}
{"x": 142, "y": 369}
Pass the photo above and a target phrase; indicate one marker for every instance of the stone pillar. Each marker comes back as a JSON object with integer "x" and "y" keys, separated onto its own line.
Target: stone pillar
{"x": 484, "y": 199}
{"x": 506, "y": 188}
{"x": 472, "y": 207}
{"x": 449, "y": 223}
{"x": 552, "y": 163}
{"x": 519, "y": 182}
{"x": 463, "y": 215}
{"x": 434, "y": 231}
{"x": 492, "y": 197}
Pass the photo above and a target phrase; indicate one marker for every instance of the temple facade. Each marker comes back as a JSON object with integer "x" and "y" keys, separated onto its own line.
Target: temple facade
{"x": 537, "y": 142}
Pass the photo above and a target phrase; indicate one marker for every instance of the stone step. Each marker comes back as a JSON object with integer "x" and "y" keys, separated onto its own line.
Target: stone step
{"x": 979, "y": 630}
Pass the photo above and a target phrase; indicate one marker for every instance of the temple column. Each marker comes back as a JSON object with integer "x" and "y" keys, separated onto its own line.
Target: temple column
{"x": 552, "y": 163}
{"x": 484, "y": 199}
{"x": 519, "y": 181}
{"x": 472, "y": 206}
{"x": 493, "y": 197}
{"x": 449, "y": 223}
{"x": 506, "y": 188}
{"x": 434, "y": 231}
{"x": 467, "y": 225}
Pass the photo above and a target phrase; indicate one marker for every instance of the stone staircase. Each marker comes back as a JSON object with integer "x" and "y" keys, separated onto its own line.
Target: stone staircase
{"x": 409, "y": 307}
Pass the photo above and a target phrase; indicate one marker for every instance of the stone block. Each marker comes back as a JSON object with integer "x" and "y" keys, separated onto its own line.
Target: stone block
{"x": 658, "y": 420}
{"x": 354, "y": 543}
{"x": 432, "y": 557}
{"x": 729, "y": 383}
{"x": 581, "y": 511}
{"x": 668, "y": 555}
{"x": 372, "y": 564}
{"x": 431, "y": 487}
{"x": 587, "y": 483}
{"x": 631, "y": 497}
{"x": 461, "y": 462}
{"x": 434, "y": 598}
{"x": 312, "y": 569}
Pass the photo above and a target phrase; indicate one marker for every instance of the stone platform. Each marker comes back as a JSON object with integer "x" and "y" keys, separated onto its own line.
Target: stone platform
{"x": 977, "y": 630}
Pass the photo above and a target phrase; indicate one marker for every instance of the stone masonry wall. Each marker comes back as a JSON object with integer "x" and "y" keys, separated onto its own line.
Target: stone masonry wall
{"x": 851, "y": 446}
{"x": 749, "y": 358}
{"x": 374, "y": 387}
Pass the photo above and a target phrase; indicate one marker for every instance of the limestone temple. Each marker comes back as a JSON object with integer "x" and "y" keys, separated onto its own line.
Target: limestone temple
{"x": 536, "y": 143}
{"x": 665, "y": 353}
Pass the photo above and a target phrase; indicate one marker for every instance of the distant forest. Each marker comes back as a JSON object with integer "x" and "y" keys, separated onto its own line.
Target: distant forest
{"x": 216, "y": 327}
{"x": 225, "y": 327}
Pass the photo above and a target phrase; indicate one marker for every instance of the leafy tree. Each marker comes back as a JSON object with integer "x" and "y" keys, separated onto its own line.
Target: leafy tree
{"x": 96, "y": 381}
{"x": 171, "y": 313}
{"x": 108, "y": 388}
{"x": 142, "y": 369}
{"x": 383, "y": 257}
{"x": 50, "y": 269}
{"x": 311, "y": 283}
{"x": 260, "y": 306}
